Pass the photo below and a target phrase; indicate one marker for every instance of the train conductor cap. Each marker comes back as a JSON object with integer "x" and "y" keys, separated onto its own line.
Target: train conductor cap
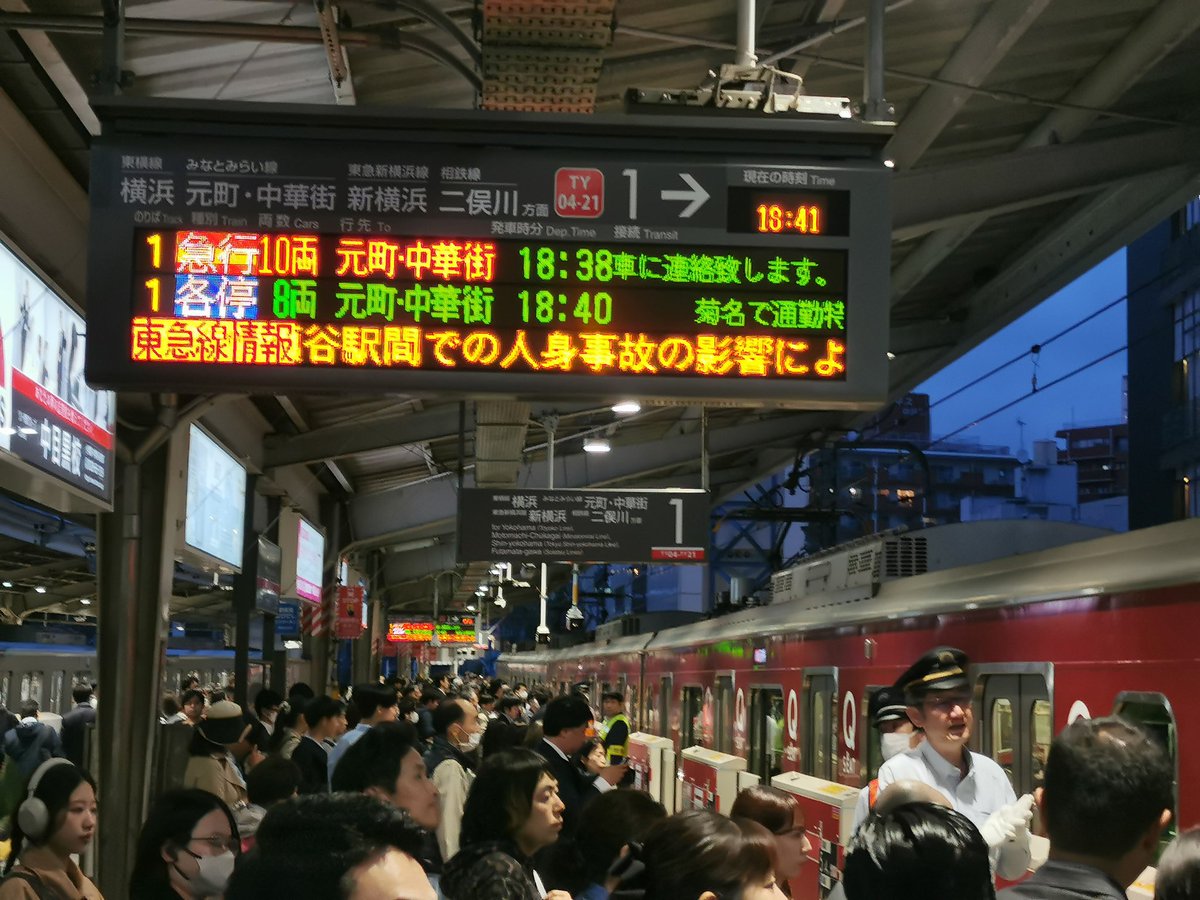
{"x": 887, "y": 705}
{"x": 941, "y": 669}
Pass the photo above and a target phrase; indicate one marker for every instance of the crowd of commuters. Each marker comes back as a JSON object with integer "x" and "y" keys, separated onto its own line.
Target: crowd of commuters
{"x": 470, "y": 790}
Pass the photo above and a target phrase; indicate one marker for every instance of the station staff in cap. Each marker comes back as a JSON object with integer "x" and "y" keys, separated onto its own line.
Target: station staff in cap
{"x": 897, "y": 734}
{"x": 938, "y": 695}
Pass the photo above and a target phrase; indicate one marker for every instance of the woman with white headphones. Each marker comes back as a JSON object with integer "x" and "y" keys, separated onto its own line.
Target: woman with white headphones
{"x": 56, "y": 820}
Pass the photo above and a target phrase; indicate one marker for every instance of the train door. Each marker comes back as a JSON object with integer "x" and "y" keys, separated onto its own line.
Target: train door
{"x": 766, "y": 732}
{"x": 691, "y": 721}
{"x": 5, "y": 685}
{"x": 31, "y": 687}
{"x": 819, "y": 721}
{"x": 1015, "y": 723}
{"x": 723, "y": 715}
{"x": 1152, "y": 712}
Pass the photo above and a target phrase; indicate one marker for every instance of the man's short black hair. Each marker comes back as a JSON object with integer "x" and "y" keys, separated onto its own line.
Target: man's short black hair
{"x": 449, "y": 712}
{"x": 28, "y": 709}
{"x": 508, "y": 702}
{"x": 323, "y": 707}
{"x": 565, "y": 712}
{"x": 265, "y": 699}
{"x": 274, "y": 779}
{"x": 486, "y": 700}
{"x": 368, "y": 698}
{"x": 305, "y": 848}
{"x": 918, "y": 850}
{"x": 432, "y": 695}
{"x": 189, "y": 695}
{"x": 610, "y": 822}
{"x": 300, "y": 689}
{"x": 374, "y": 759}
{"x": 81, "y": 693}
{"x": 613, "y": 695}
{"x": 1106, "y": 783}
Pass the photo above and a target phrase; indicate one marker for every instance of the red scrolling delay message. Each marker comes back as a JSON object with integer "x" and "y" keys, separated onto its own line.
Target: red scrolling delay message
{"x": 348, "y": 301}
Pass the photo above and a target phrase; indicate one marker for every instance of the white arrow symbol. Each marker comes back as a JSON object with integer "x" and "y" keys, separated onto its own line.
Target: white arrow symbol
{"x": 697, "y": 195}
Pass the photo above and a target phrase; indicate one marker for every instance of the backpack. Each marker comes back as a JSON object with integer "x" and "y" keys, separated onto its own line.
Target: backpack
{"x": 29, "y": 758}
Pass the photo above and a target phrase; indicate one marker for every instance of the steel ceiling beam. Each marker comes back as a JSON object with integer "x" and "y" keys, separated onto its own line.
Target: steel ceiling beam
{"x": 976, "y": 55}
{"x": 57, "y": 565}
{"x": 929, "y": 197}
{"x": 421, "y": 509}
{"x": 29, "y": 602}
{"x": 1168, "y": 24}
{"x": 1095, "y": 230}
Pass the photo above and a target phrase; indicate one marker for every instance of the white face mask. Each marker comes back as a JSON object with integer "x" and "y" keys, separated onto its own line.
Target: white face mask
{"x": 413, "y": 717}
{"x": 894, "y": 744}
{"x": 521, "y": 695}
{"x": 470, "y": 743}
{"x": 212, "y": 876}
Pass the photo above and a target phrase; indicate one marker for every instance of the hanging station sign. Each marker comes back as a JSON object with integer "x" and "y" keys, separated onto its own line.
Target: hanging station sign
{"x": 435, "y": 255}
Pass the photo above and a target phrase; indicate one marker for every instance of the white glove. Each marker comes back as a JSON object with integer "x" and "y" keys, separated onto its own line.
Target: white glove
{"x": 1013, "y": 852}
{"x": 1009, "y": 823}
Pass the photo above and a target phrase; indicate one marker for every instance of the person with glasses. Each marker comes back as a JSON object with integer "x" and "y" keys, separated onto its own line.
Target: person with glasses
{"x": 939, "y": 701}
{"x": 187, "y": 848}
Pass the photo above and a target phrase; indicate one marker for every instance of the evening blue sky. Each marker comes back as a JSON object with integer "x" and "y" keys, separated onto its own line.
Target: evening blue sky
{"x": 1092, "y": 397}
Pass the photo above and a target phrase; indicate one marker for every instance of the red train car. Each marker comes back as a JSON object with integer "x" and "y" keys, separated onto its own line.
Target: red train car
{"x": 1093, "y": 627}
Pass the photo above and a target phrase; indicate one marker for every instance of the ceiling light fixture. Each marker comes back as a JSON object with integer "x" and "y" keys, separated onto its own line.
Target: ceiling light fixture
{"x": 86, "y": 601}
{"x": 40, "y": 589}
{"x": 6, "y": 584}
{"x": 627, "y": 407}
{"x": 596, "y": 445}
{"x": 470, "y": 607}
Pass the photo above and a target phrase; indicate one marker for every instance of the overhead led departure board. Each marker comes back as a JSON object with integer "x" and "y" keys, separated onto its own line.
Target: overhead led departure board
{"x": 575, "y": 263}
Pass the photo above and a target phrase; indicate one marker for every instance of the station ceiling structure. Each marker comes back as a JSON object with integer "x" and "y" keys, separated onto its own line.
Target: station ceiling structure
{"x": 1034, "y": 138}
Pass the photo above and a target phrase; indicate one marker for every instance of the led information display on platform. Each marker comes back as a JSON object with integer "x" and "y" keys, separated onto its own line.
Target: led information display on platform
{"x": 550, "y": 525}
{"x": 571, "y": 263}
{"x": 451, "y": 629}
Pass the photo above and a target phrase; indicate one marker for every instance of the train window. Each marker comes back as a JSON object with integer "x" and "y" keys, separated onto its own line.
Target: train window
{"x": 1015, "y": 716}
{"x": 56, "y": 691}
{"x": 692, "y": 720}
{"x": 1041, "y": 726}
{"x": 766, "y": 732}
{"x": 664, "y": 709}
{"x": 31, "y": 686}
{"x": 1002, "y": 735}
{"x": 872, "y": 754}
{"x": 5, "y": 681}
{"x": 820, "y": 725}
{"x": 1153, "y": 714}
{"x": 723, "y": 715}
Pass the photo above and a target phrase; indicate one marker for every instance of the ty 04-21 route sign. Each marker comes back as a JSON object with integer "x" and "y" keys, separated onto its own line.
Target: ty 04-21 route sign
{"x": 237, "y": 249}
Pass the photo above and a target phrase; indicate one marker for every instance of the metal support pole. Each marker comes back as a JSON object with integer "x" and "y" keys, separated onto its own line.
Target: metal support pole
{"x": 245, "y": 587}
{"x": 876, "y": 110}
{"x": 112, "y": 57}
{"x": 279, "y": 672}
{"x": 550, "y": 424}
{"x": 704, "y": 448}
{"x": 134, "y": 572}
{"x": 746, "y": 27}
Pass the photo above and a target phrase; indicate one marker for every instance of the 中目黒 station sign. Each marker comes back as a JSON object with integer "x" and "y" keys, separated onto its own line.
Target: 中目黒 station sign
{"x": 489, "y": 253}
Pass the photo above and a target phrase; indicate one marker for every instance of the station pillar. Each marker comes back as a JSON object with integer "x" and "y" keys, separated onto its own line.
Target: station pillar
{"x": 134, "y": 572}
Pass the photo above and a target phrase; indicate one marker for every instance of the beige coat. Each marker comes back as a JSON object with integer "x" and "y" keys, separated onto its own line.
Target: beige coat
{"x": 217, "y": 775}
{"x": 64, "y": 880}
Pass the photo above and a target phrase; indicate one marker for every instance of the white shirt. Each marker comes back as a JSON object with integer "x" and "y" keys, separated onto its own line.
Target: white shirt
{"x": 983, "y": 790}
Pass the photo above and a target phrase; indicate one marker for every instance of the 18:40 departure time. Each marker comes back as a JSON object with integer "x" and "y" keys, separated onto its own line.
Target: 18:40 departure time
{"x": 554, "y": 264}
{"x": 547, "y": 307}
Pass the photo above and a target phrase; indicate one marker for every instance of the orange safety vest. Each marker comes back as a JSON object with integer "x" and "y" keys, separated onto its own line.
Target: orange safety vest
{"x": 872, "y": 793}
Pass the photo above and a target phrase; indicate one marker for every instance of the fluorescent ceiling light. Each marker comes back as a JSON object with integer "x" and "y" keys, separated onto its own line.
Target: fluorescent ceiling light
{"x": 596, "y": 445}
{"x": 627, "y": 407}
{"x": 86, "y": 601}
{"x": 40, "y": 589}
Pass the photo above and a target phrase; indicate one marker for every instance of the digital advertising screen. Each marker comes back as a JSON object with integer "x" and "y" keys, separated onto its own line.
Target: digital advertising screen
{"x": 216, "y": 499}
{"x": 50, "y": 418}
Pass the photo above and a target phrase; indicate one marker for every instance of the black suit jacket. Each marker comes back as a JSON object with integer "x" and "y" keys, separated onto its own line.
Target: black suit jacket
{"x": 313, "y": 761}
{"x": 1064, "y": 881}
{"x": 74, "y": 727}
{"x": 575, "y": 788}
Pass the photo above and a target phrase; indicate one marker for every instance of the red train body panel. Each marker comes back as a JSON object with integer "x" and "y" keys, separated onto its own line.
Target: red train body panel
{"x": 1117, "y": 635}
